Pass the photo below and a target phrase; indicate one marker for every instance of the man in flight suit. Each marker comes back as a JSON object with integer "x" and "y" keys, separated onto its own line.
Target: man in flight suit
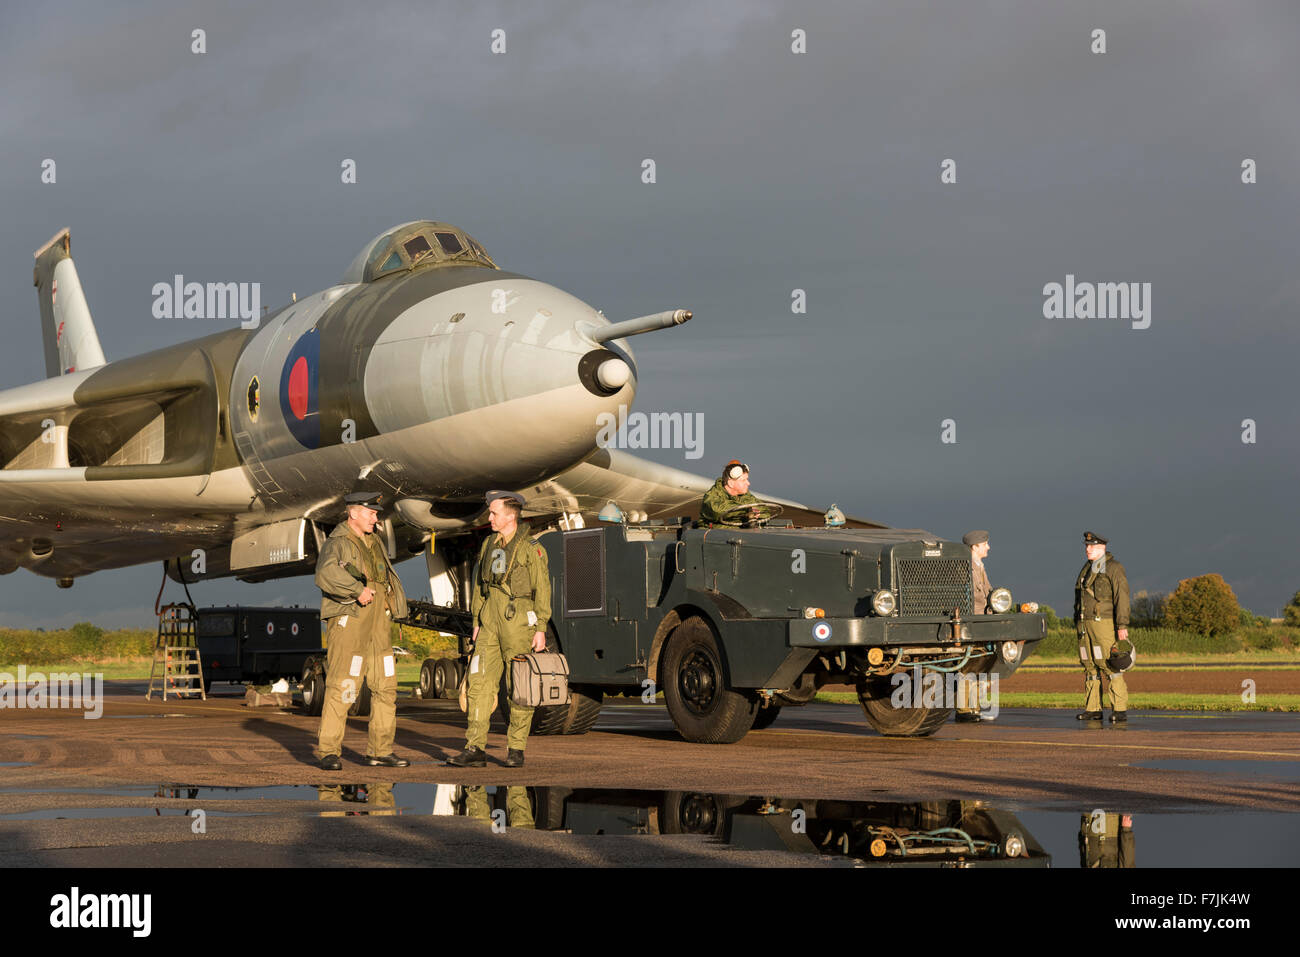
{"x": 1101, "y": 615}
{"x": 968, "y": 710}
{"x": 511, "y": 608}
{"x": 360, "y": 595}
{"x": 719, "y": 505}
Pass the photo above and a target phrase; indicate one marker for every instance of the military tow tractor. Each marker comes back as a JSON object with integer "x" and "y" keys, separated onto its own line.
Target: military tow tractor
{"x": 735, "y": 624}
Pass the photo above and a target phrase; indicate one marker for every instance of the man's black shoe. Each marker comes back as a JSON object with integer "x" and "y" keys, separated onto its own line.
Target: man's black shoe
{"x": 1119, "y": 717}
{"x": 469, "y": 758}
{"x": 514, "y": 759}
{"x": 387, "y": 761}
{"x": 331, "y": 762}
{"x": 967, "y": 717}
{"x": 1089, "y": 715}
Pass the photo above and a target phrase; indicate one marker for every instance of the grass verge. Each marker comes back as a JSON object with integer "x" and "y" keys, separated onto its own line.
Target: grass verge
{"x": 1162, "y": 701}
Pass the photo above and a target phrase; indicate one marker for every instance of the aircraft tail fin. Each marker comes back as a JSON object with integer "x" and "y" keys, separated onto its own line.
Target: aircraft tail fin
{"x": 68, "y": 332}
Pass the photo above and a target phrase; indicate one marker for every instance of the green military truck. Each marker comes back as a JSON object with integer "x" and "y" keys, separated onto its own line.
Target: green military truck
{"x": 734, "y": 624}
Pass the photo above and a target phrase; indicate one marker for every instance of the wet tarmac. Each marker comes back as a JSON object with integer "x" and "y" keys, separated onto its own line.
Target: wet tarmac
{"x": 1192, "y": 789}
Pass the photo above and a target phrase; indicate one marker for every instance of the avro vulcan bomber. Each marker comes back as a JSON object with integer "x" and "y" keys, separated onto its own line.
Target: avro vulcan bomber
{"x": 427, "y": 371}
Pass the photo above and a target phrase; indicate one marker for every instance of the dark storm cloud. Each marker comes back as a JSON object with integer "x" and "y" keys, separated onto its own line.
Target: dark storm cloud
{"x": 775, "y": 172}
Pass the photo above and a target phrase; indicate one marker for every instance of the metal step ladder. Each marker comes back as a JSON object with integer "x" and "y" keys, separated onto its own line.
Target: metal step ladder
{"x": 177, "y": 668}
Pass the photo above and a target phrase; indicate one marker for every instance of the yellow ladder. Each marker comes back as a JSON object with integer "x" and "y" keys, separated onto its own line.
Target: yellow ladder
{"x": 177, "y": 668}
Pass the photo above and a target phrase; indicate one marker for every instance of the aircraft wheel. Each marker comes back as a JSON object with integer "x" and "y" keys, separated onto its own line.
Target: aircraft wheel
{"x": 701, "y": 705}
{"x": 874, "y": 695}
{"x": 446, "y": 679}
{"x": 313, "y": 690}
{"x": 428, "y": 679}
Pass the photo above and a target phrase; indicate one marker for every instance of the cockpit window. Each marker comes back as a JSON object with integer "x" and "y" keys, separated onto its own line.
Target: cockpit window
{"x": 450, "y": 243}
{"x": 412, "y": 245}
{"x": 417, "y": 247}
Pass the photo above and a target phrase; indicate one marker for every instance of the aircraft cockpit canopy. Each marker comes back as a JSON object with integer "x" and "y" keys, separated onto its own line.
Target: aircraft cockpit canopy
{"x": 419, "y": 243}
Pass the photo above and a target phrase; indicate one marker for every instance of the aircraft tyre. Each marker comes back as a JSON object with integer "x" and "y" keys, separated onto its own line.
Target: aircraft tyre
{"x": 313, "y": 688}
{"x": 428, "y": 681}
{"x": 446, "y": 678}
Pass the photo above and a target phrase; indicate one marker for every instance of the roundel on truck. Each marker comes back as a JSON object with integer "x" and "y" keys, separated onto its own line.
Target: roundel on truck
{"x": 822, "y": 631}
{"x": 270, "y": 628}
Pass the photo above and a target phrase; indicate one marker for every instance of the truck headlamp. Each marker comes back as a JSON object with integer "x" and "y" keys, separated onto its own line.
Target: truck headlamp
{"x": 1011, "y": 651}
{"x": 883, "y": 603}
{"x": 1000, "y": 600}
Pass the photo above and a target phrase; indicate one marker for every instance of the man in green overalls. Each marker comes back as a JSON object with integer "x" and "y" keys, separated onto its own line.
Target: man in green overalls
{"x": 511, "y": 608}
{"x": 360, "y": 595}
{"x": 1101, "y": 616}
{"x": 720, "y": 505}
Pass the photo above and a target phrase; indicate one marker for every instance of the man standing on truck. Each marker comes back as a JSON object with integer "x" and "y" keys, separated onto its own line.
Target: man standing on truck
{"x": 511, "y": 608}
{"x": 360, "y": 595}
{"x": 1101, "y": 615}
{"x": 968, "y": 711}
{"x": 731, "y": 490}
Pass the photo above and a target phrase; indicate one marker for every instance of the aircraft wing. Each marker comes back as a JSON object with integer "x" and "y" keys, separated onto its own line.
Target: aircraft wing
{"x": 634, "y": 484}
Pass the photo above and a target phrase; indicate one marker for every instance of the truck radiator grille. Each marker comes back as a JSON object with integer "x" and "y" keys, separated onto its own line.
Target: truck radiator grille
{"x": 584, "y": 572}
{"x": 934, "y": 586}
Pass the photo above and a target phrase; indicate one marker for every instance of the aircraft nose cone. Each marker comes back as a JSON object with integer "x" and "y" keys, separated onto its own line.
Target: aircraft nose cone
{"x": 613, "y": 374}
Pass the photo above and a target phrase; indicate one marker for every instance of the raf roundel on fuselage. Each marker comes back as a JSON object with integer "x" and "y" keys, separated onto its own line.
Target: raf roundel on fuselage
{"x": 419, "y": 243}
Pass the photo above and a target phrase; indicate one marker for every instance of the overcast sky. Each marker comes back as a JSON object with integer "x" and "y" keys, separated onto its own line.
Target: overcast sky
{"x": 776, "y": 171}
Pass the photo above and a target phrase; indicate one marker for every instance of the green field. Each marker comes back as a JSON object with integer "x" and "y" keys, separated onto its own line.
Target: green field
{"x": 1160, "y": 701}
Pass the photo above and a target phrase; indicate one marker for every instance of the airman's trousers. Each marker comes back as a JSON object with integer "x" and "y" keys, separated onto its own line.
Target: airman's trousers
{"x": 491, "y": 656}
{"x": 1095, "y": 646}
{"x": 519, "y": 810}
{"x": 358, "y": 649}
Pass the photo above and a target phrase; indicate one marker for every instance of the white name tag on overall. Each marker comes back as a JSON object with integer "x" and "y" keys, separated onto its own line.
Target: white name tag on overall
{"x": 343, "y": 622}
{"x": 357, "y": 662}
{"x": 389, "y": 670}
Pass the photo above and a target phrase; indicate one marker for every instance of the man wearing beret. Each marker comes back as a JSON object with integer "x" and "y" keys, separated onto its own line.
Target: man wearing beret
{"x": 511, "y": 608}
{"x": 978, "y": 541}
{"x": 360, "y": 595}
{"x": 1101, "y": 617}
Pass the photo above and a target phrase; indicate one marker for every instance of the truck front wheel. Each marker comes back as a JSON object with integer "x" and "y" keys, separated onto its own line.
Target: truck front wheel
{"x": 701, "y": 705}
{"x": 875, "y": 694}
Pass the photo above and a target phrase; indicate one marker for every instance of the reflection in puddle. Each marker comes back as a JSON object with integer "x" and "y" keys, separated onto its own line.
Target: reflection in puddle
{"x": 15, "y": 764}
{"x": 938, "y": 833}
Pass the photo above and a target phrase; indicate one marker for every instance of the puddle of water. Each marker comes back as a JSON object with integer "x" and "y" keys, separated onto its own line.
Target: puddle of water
{"x": 941, "y": 832}
{"x": 15, "y": 764}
